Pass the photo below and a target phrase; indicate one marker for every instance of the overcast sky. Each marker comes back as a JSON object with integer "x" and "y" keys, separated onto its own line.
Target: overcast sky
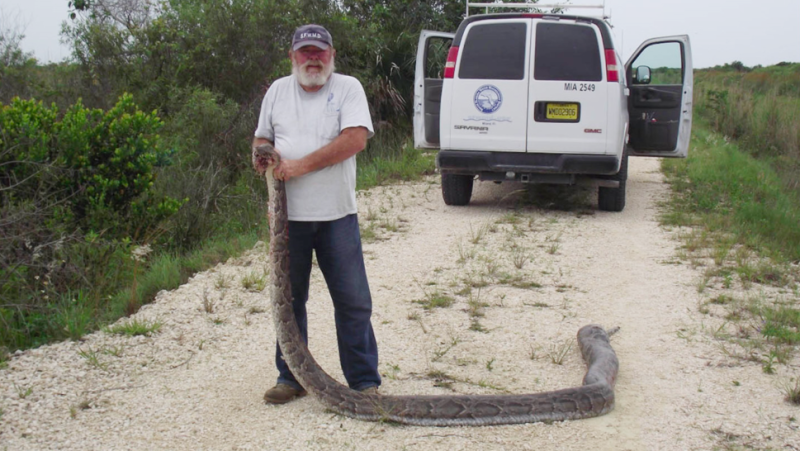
{"x": 722, "y": 31}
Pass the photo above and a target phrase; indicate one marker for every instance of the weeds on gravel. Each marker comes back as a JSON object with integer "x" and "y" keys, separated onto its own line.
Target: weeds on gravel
{"x": 83, "y": 405}
{"x": 392, "y": 372}
{"x": 475, "y": 305}
{"x": 476, "y": 235}
{"x": 464, "y": 253}
{"x": 476, "y": 326}
{"x": 767, "y": 366}
{"x": 782, "y": 324}
{"x": 444, "y": 380}
{"x": 558, "y": 351}
{"x": 253, "y": 281}
{"x": 208, "y": 304}
{"x": 519, "y": 257}
{"x": 222, "y": 282}
{"x": 254, "y": 310}
{"x": 439, "y": 353}
{"x": 368, "y": 232}
{"x": 791, "y": 389}
{"x": 23, "y": 392}
{"x": 517, "y": 281}
{"x": 441, "y": 379}
{"x": 510, "y": 218}
{"x": 436, "y": 299}
{"x": 93, "y": 358}
{"x": 135, "y": 327}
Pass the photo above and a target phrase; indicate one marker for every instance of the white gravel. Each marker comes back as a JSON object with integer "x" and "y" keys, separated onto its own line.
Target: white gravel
{"x": 198, "y": 383}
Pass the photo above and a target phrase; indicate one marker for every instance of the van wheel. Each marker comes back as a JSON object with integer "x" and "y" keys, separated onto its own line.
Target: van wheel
{"x": 613, "y": 199}
{"x": 456, "y": 189}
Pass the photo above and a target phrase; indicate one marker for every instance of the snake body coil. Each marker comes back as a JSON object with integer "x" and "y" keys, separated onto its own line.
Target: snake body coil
{"x": 594, "y": 397}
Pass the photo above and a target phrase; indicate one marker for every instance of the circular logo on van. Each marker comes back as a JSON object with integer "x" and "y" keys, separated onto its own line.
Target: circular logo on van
{"x": 488, "y": 99}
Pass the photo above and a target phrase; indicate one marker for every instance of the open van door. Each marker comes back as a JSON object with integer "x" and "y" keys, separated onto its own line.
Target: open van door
{"x": 429, "y": 75}
{"x": 659, "y": 76}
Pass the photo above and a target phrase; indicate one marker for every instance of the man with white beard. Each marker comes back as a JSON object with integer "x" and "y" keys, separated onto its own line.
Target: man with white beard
{"x": 318, "y": 121}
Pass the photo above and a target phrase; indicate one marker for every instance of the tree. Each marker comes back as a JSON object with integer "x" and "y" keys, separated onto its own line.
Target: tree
{"x": 16, "y": 66}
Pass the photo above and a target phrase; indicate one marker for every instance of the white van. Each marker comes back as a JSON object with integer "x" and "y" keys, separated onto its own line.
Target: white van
{"x": 541, "y": 98}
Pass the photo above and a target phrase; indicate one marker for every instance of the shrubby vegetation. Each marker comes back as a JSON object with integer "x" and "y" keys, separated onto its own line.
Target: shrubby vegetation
{"x": 141, "y": 143}
{"x": 743, "y": 181}
{"x": 760, "y": 108}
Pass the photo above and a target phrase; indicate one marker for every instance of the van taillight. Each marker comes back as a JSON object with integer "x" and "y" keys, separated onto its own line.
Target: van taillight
{"x": 450, "y": 65}
{"x": 612, "y": 71}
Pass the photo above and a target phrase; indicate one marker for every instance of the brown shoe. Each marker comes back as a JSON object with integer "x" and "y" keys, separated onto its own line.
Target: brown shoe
{"x": 371, "y": 390}
{"x": 282, "y": 393}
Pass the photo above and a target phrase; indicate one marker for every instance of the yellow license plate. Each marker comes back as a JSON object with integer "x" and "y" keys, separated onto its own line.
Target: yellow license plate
{"x": 562, "y": 111}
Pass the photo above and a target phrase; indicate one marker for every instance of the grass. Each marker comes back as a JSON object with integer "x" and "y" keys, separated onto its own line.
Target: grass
{"x": 559, "y": 351}
{"x": 760, "y": 109}
{"x": 23, "y": 392}
{"x": 519, "y": 257}
{"x": 254, "y": 281}
{"x": 134, "y": 328}
{"x": 782, "y": 324}
{"x": 742, "y": 209}
{"x": 732, "y": 195}
{"x": 93, "y": 358}
{"x": 791, "y": 390}
{"x": 436, "y": 299}
{"x": 392, "y": 158}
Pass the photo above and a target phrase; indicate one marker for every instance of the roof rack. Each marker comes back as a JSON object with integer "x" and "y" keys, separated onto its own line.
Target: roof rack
{"x": 531, "y": 6}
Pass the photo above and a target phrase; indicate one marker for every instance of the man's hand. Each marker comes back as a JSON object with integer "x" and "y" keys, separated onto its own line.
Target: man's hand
{"x": 287, "y": 169}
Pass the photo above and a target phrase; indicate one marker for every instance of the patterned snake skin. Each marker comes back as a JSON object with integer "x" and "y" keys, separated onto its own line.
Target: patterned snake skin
{"x": 595, "y": 397}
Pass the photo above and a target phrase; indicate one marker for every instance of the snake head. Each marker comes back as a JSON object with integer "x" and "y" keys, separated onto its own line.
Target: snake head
{"x": 266, "y": 155}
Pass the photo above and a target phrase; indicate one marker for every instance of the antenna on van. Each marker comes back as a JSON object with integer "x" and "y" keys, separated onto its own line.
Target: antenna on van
{"x": 531, "y": 6}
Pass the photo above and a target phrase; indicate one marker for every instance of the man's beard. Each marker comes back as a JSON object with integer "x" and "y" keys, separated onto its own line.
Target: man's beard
{"x": 313, "y": 79}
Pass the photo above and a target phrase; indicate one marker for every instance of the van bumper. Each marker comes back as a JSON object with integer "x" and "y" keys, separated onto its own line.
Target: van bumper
{"x": 485, "y": 163}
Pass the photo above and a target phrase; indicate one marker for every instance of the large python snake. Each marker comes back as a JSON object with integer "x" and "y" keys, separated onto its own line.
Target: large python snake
{"x": 594, "y": 397}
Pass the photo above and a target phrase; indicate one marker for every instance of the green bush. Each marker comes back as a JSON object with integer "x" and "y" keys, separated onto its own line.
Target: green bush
{"x": 110, "y": 158}
{"x": 97, "y": 169}
{"x": 76, "y": 194}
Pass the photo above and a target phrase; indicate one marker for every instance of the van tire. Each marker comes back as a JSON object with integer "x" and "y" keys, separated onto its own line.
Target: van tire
{"x": 613, "y": 199}
{"x": 456, "y": 189}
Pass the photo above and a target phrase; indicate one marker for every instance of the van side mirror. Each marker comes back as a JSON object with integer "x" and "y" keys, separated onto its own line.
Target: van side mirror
{"x": 642, "y": 75}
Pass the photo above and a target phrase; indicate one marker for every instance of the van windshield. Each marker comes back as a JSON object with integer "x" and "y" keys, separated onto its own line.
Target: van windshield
{"x": 567, "y": 52}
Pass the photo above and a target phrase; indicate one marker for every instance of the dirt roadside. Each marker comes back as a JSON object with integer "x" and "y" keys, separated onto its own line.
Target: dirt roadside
{"x": 520, "y": 282}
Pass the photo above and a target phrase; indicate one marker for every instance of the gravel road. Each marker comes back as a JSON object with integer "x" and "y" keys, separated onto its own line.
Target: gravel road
{"x": 521, "y": 281}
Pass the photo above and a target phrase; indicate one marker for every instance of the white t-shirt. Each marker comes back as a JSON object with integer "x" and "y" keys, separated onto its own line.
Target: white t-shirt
{"x": 298, "y": 123}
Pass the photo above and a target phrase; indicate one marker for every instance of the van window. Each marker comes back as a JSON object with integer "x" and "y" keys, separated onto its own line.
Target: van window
{"x": 664, "y": 61}
{"x": 494, "y": 51}
{"x": 567, "y": 52}
{"x": 436, "y": 56}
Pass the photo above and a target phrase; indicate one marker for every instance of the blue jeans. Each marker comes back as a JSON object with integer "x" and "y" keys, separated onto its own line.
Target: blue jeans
{"x": 338, "y": 248}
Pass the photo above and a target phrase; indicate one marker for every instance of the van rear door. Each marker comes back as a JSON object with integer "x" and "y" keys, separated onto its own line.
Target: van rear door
{"x": 429, "y": 72}
{"x": 487, "y": 98}
{"x": 659, "y": 75}
{"x": 569, "y": 93}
